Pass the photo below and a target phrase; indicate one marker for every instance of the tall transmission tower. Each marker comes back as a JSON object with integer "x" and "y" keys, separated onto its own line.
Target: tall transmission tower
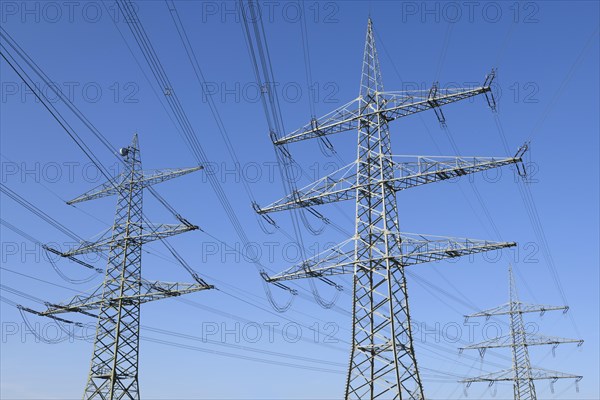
{"x": 382, "y": 361}
{"x": 114, "y": 369}
{"x": 522, "y": 374}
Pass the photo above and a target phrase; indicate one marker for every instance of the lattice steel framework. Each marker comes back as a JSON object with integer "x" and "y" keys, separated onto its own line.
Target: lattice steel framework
{"x": 382, "y": 361}
{"x": 522, "y": 374}
{"x": 114, "y": 368}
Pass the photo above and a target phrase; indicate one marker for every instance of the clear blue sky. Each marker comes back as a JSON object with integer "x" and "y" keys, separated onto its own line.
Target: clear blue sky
{"x": 547, "y": 55}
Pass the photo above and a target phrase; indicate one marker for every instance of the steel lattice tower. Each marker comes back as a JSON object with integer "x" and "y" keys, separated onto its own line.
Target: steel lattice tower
{"x": 383, "y": 363}
{"x": 114, "y": 368}
{"x": 522, "y": 374}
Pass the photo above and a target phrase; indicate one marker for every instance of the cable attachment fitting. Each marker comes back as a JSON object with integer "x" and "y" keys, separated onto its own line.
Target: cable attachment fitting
{"x": 262, "y": 217}
{"x": 314, "y": 125}
{"x": 273, "y": 137}
{"x": 52, "y": 250}
{"x": 318, "y": 215}
{"x": 186, "y": 222}
{"x": 489, "y": 78}
{"x": 199, "y": 280}
{"x": 266, "y": 217}
{"x": 432, "y": 100}
{"x": 326, "y": 146}
{"x": 78, "y": 261}
{"x": 328, "y": 281}
{"x": 279, "y": 147}
{"x": 487, "y": 87}
{"x": 280, "y": 285}
{"x": 521, "y": 170}
{"x": 522, "y": 150}
{"x": 29, "y": 310}
{"x": 40, "y": 314}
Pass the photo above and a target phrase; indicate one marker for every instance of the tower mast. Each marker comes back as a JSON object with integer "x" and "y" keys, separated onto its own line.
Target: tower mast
{"x": 522, "y": 374}
{"x": 116, "y": 303}
{"x": 382, "y": 362}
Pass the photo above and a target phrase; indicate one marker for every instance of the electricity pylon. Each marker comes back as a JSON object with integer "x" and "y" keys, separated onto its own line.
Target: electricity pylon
{"x": 383, "y": 363}
{"x": 114, "y": 369}
{"x": 522, "y": 374}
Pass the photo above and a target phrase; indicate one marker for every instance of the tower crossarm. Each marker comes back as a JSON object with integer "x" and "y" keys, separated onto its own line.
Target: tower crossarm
{"x": 395, "y": 105}
{"x": 121, "y": 182}
{"x": 504, "y": 375}
{"x": 150, "y": 291}
{"x": 414, "y": 249}
{"x": 402, "y": 104}
{"x": 531, "y": 340}
{"x": 344, "y": 118}
{"x": 506, "y": 309}
{"x": 150, "y": 232}
{"x": 409, "y": 171}
{"x": 541, "y": 373}
{"x": 509, "y": 375}
{"x": 338, "y": 186}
